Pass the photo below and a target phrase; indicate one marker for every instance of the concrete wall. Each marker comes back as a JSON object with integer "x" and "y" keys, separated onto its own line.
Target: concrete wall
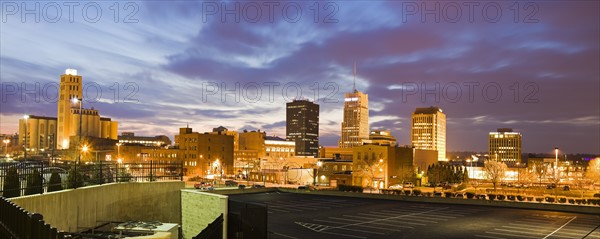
{"x": 76, "y": 209}
{"x": 198, "y": 209}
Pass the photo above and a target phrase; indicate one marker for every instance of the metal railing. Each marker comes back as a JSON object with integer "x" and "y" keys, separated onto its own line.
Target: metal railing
{"x": 214, "y": 230}
{"x": 38, "y": 177}
{"x": 16, "y": 223}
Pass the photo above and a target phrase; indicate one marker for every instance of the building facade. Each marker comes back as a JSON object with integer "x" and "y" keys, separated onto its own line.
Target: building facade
{"x": 302, "y": 126}
{"x": 381, "y": 137}
{"x": 355, "y": 124}
{"x": 505, "y": 145}
{"x": 428, "y": 130}
{"x": 253, "y": 140}
{"x": 131, "y": 138}
{"x": 276, "y": 147}
{"x": 206, "y": 154}
{"x": 380, "y": 166}
{"x": 68, "y": 113}
{"x": 37, "y": 133}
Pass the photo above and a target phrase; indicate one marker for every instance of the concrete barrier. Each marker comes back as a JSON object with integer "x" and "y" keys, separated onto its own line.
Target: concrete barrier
{"x": 76, "y": 209}
{"x": 200, "y": 208}
{"x": 478, "y": 202}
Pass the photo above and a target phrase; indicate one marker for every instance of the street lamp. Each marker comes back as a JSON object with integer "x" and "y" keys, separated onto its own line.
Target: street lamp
{"x": 556, "y": 158}
{"x": 118, "y": 150}
{"x": 6, "y": 141}
{"x": 316, "y": 178}
{"x": 25, "y": 137}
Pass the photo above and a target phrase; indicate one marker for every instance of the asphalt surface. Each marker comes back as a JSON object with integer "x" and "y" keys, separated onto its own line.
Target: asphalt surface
{"x": 314, "y": 216}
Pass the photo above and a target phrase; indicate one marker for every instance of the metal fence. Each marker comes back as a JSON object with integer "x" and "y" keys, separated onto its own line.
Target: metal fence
{"x": 214, "y": 230}
{"x": 16, "y": 223}
{"x": 38, "y": 177}
{"x": 246, "y": 220}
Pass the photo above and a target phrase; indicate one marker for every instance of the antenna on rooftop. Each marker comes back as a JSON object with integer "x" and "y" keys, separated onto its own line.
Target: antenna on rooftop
{"x": 354, "y": 85}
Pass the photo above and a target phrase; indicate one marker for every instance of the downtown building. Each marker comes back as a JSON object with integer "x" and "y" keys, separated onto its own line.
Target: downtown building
{"x": 205, "y": 154}
{"x": 355, "y": 125}
{"x": 428, "y": 130}
{"x": 504, "y": 145}
{"x": 71, "y": 113}
{"x": 302, "y": 127}
{"x": 40, "y": 133}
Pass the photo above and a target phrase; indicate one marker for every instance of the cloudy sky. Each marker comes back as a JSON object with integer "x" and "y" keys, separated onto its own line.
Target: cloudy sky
{"x": 159, "y": 65}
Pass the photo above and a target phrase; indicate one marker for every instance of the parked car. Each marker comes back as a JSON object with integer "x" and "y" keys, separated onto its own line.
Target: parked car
{"x": 566, "y": 188}
{"x": 258, "y": 186}
{"x": 408, "y": 185}
{"x": 241, "y": 186}
{"x": 396, "y": 186}
{"x": 203, "y": 186}
{"x": 230, "y": 183}
{"x": 303, "y": 187}
{"x": 551, "y": 186}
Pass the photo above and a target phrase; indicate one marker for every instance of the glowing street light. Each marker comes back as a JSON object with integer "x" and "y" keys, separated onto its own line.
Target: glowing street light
{"x": 556, "y": 155}
{"x": 25, "y": 137}
{"x": 6, "y": 141}
{"x": 119, "y": 150}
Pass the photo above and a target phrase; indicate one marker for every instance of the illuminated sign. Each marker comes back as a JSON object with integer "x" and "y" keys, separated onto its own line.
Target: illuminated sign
{"x": 72, "y": 72}
{"x": 351, "y": 99}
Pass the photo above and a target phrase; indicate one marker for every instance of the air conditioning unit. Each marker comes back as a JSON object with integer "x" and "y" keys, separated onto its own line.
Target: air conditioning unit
{"x": 158, "y": 230}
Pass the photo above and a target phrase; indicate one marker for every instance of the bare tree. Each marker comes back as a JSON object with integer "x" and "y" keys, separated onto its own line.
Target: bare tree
{"x": 494, "y": 171}
{"x": 371, "y": 169}
{"x": 525, "y": 178}
{"x": 539, "y": 169}
{"x": 592, "y": 172}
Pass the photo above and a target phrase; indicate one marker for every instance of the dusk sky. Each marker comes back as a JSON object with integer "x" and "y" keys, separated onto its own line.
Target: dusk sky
{"x": 544, "y": 58}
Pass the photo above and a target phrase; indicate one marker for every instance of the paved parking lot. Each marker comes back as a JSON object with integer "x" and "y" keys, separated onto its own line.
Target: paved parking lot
{"x": 314, "y": 216}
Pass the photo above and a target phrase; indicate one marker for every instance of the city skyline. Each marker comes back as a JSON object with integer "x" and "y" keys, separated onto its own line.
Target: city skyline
{"x": 558, "y": 54}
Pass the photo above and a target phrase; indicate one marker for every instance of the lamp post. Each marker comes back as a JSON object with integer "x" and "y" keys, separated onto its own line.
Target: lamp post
{"x": 316, "y": 177}
{"x": 556, "y": 158}
{"x": 118, "y": 150}
{"x": 25, "y": 138}
{"x": 6, "y": 141}
{"x": 75, "y": 101}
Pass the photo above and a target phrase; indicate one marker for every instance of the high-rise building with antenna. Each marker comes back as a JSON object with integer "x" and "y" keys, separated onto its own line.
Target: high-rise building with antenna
{"x": 355, "y": 125}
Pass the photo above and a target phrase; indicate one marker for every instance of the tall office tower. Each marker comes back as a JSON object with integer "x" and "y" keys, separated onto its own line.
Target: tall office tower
{"x": 302, "y": 126}
{"x": 505, "y": 146}
{"x": 428, "y": 130}
{"x": 70, "y": 87}
{"x": 355, "y": 126}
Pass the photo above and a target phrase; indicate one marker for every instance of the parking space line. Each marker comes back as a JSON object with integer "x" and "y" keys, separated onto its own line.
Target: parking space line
{"x": 412, "y": 218}
{"x": 374, "y": 227}
{"x": 493, "y": 237}
{"x": 403, "y": 220}
{"x": 560, "y": 227}
{"x": 384, "y": 219}
{"x": 382, "y": 223}
{"x": 538, "y": 233}
{"x": 283, "y": 235}
{"x": 509, "y": 234}
{"x": 279, "y": 210}
{"x": 441, "y": 217}
{"x": 287, "y": 209}
{"x": 345, "y": 235}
